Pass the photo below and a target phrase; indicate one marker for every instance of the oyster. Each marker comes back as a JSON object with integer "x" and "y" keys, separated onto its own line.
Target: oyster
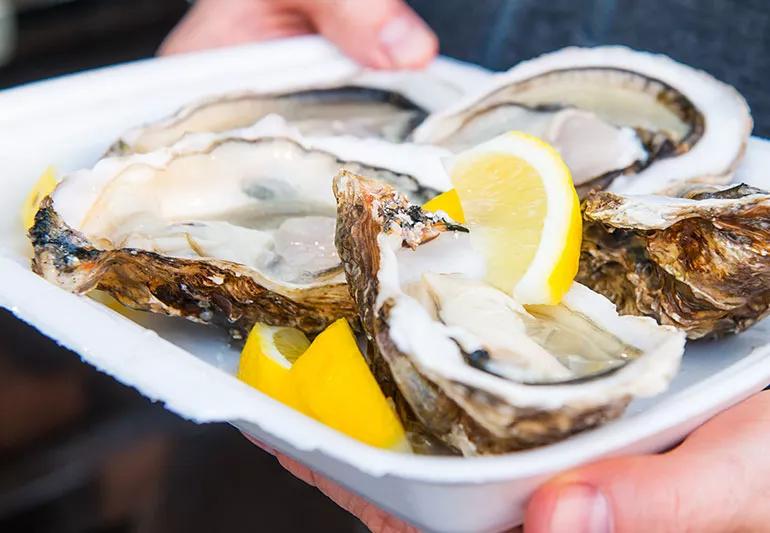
{"x": 638, "y": 122}
{"x": 220, "y": 228}
{"x": 700, "y": 263}
{"x": 342, "y": 110}
{"x": 466, "y": 363}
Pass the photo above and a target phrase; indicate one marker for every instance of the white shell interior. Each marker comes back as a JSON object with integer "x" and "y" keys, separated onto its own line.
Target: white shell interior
{"x": 260, "y": 197}
{"x": 486, "y": 318}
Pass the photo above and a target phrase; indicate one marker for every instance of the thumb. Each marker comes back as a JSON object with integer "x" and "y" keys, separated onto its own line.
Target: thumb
{"x": 377, "y": 33}
{"x": 718, "y": 480}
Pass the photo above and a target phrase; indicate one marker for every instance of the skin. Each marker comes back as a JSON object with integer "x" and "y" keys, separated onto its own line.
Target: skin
{"x": 377, "y": 33}
{"x": 717, "y": 480}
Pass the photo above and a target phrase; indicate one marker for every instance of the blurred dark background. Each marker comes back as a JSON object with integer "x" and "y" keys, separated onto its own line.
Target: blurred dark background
{"x": 54, "y": 37}
{"x": 728, "y": 38}
{"x": 81, "y": 453}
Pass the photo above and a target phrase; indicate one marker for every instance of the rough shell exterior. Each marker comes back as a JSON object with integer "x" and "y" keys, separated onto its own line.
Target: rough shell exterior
{"x": 208, "y": 291}
{"x": 704, "y": 268}
{"x": 468, "y": 420}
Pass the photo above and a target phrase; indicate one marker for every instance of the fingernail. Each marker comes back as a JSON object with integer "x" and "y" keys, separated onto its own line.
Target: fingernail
{"x": 580, "y": 508}
{"x": 407, "y": 41}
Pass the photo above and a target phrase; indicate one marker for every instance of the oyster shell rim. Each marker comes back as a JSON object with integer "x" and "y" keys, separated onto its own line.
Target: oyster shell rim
{"x": 193, "y": 289}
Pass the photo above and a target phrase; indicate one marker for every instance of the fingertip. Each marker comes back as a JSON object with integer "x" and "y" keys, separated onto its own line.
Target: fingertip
{"x": 408, "y": 42}
{"x": 386, "y": 34}
{"x": 567, "y": 506}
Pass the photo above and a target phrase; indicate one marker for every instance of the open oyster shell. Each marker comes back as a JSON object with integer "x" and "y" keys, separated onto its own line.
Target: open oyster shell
{"x": 466, "y": 363}
{"x": 700, "y": 263}
{"x": 365, "y": 104}
{"x": 633, "y": 121}
{"x": 343, "y": 110}
{"x": 228, "y": 228}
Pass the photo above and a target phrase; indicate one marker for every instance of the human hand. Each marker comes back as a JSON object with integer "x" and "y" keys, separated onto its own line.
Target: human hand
{"x": 717, "y": 480}
{"x": 377, "y": 33}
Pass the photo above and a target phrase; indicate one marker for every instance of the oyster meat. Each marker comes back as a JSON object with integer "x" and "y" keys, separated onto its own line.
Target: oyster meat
{"x": 465, "y": 362}
{"x": 633, "y": 121}
{"x": 342, "y": 110}
{"x": 220, "y": 228}
{"x": 700, "y": 263}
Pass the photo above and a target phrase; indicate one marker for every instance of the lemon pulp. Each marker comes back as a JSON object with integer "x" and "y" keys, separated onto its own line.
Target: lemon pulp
{"x": 265, "y": 367}
{"x": 506, "y": 205}
{"x": 523, "y": 211}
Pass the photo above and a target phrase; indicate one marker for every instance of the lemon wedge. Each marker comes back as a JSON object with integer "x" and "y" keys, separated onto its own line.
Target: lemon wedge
{"x": 45, "y": 184}
{"x": 449, "y": 203}
{"x": 328, "y": 380}
{"x": 524, "y": 215}
{"x": 267, "y": 358}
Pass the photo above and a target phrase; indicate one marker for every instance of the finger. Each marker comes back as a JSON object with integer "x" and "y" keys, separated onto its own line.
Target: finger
{"x": 374, "y": 518}
{"x": 717, "y": 480}
{"x": 218, "y": 23}
{"x": 377, "y": 33}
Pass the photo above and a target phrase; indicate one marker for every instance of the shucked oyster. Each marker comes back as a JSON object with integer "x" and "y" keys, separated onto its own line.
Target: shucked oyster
{"x": 473, "y": 367}
{"x": 220, "y": 229}
{"x": 638, "y": 121}
{"x": 342, "y": 110}
{"x": 700, "y": 263}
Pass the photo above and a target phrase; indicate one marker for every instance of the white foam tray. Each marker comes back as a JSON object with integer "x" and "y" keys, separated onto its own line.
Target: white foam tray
{"x": 68, "y": 122}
